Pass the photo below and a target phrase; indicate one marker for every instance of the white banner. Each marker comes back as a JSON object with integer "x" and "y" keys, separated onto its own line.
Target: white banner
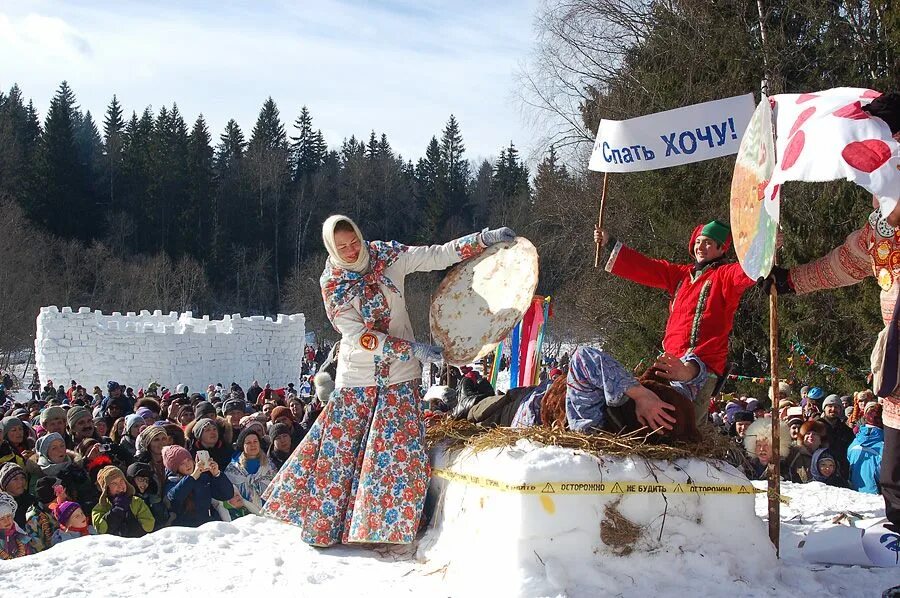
{"x": 674, "y": 137}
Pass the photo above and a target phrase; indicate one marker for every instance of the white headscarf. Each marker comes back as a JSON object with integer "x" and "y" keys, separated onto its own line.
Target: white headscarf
{"x": 362, "y": 261}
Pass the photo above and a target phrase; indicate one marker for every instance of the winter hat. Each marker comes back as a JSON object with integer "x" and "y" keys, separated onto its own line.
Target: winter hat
{"x": 146, "y": 437}
{"x": 743, "y": 416}
{"x": 108, "y": 474}
{"x": 76, "y": 413}
{"x": 716, "y": 230}
{"x": 254, "y": 431}
{"x": 181, "y": 389}
{"x": 871, "y": 415}
{"x": 42, "y": 446}
{"x": 112, "y": 385}
{"x": 848, "y": 412}
{"x": 555, "y": 372}
{"x": 277, "y": 430}
{"x": 174, "y": 456}
{"x": 324, "y": 386}
{"x": 65, "y": 511}
{"x": 816, "y": 393}
{"x": 204, "y": 409}
{"x": 44, "y": 489}
{"x": 11, "y": 422}
{"x": 255, "y": 425}
{"x": 8, "y": 505}
{"x": 8, "y": 472}
{"x": 847, "y": 401}
{"x": 139, "y": 470}
{"x": 234, "y": 405}
{"x": 832, "y": 400}
{"x": 812, "y": 426}
{"x": 133, "y": 420}
{"x": 146, "y": 413}
{"x": 752, "y": 405}
{"x": 362, "y": 261}
{"x": 52, "y": 412}
{"x": 201, "y": 425}
{"x": 281, "y": 412}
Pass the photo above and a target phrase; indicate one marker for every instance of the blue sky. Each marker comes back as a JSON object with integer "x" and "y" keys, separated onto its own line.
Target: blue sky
{"x": 400, "y": 67}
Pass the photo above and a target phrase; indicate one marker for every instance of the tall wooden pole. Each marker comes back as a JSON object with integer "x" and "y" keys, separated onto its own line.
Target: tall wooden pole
{"x": 774, "y": 485}
{"x": 600, "y": 218}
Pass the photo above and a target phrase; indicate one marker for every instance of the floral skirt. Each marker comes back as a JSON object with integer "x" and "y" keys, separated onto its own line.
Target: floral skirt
{"x": 361, "y": 472}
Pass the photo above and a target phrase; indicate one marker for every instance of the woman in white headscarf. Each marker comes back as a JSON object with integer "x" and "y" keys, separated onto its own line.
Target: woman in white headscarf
{"x": 361, "y": 472}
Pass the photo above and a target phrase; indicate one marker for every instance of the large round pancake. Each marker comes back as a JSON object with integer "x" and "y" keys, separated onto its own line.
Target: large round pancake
{"x": 480, "y": 300}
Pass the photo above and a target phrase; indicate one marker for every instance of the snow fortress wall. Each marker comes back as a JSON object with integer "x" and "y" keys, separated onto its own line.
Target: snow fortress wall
{"x": 136, "y": 349}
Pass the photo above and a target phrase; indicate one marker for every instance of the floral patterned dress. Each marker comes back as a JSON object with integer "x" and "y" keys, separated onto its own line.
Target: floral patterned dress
{"x": 361, "y": 472}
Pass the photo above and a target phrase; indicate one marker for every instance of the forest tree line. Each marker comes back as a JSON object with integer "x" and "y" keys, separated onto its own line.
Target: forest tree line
{"x": 145, "y": 211}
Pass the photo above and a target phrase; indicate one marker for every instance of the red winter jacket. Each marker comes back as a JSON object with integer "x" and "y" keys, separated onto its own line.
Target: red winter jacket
{"x": 701, "y": 311}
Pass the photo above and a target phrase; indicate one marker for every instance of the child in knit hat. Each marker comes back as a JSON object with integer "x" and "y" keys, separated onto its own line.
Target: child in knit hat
{"x": 14, "y": 542}
{"x": 14, "y": 482}
{"x": 73, "y": 523}
{"x": 40, "y": 521}
{"x": 193, "y": 485}
{"x": 140, "y": 475}
{"x": 119, "y": 511}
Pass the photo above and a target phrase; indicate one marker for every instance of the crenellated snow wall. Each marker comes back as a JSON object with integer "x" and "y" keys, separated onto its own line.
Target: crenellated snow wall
{"x": 136, "y": 349}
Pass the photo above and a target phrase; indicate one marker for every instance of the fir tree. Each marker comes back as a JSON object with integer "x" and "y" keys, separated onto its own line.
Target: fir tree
{"x": 66, "y": 209}
{"x": 113, "y": 143}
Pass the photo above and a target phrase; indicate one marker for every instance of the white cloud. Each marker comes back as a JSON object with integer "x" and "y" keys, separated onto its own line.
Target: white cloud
{"x": 398, "y": 67}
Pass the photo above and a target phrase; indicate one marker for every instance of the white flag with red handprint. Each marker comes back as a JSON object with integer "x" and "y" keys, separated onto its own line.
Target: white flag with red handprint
{"x": 825, "y": 136}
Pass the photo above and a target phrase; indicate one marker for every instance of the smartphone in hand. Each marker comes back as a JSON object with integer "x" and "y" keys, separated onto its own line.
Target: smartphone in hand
{"x": 203, "y": 459}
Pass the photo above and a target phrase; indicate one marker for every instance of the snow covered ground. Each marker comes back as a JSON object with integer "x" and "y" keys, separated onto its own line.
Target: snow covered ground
{"x": 255, "y": 556}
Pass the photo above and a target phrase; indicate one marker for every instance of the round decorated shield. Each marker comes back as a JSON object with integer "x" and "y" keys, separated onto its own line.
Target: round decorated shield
{"x": 480, "y": 300}
{"x": 754, "y": 212}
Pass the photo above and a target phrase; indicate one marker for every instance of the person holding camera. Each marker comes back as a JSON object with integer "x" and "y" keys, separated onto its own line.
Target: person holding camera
{"x": 192, "y": 485}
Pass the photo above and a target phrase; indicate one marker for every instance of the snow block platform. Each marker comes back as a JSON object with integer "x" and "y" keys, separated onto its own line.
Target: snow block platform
{"x": 543, "y": 520}
{"x": 136, "y": 349}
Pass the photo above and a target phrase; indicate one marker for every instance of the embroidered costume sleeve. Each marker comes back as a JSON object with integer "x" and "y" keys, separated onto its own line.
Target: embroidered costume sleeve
{"x": 843, "y": 266}
{"x": 595, "y": 380}
{"x": 691, "y": 388}
{"x": 350, "y": 324}
{"x": 636, "y": 267}
{"x": 439, "y": 257}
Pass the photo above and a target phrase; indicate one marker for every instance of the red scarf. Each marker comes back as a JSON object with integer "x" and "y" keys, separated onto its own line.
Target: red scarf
{"x": 84, "y": 531}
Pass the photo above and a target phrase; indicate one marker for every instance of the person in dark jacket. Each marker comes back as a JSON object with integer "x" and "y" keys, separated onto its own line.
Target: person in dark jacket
{"x": 281, "y": 445}
{"x": 798, "y": 463}
{"x": 837, "y": 433}
{"x": 192, "y": 486}
{"x": 140, "y": 475}
{"x": 824, "y": 469}
{"x": 214, "y": 435}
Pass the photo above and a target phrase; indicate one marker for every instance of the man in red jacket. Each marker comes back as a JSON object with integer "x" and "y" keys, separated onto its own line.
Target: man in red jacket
{"x": 704, "y": 297}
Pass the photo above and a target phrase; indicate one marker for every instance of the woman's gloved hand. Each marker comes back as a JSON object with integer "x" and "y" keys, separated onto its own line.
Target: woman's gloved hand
{"x": 503, "y": 234}
{"x": 426, "y": 353}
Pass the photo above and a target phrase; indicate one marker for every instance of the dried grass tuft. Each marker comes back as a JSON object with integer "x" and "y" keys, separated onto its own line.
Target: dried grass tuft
{"x": 462, "y": 434}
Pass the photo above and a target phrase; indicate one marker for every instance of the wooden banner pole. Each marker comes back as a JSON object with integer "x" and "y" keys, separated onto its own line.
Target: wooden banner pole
{"x": 600, "y": 218}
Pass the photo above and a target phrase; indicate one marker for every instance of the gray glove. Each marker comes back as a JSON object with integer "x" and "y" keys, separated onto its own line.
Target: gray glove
{"x": 426, "y": 353}
{"x": 503, "y": 234}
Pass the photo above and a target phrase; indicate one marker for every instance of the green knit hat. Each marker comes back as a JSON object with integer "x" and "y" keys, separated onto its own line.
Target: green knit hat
{"x": 717, "y": 231}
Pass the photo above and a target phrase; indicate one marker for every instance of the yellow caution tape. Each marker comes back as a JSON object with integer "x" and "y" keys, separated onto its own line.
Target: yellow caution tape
{"x": 544, "y": 488}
